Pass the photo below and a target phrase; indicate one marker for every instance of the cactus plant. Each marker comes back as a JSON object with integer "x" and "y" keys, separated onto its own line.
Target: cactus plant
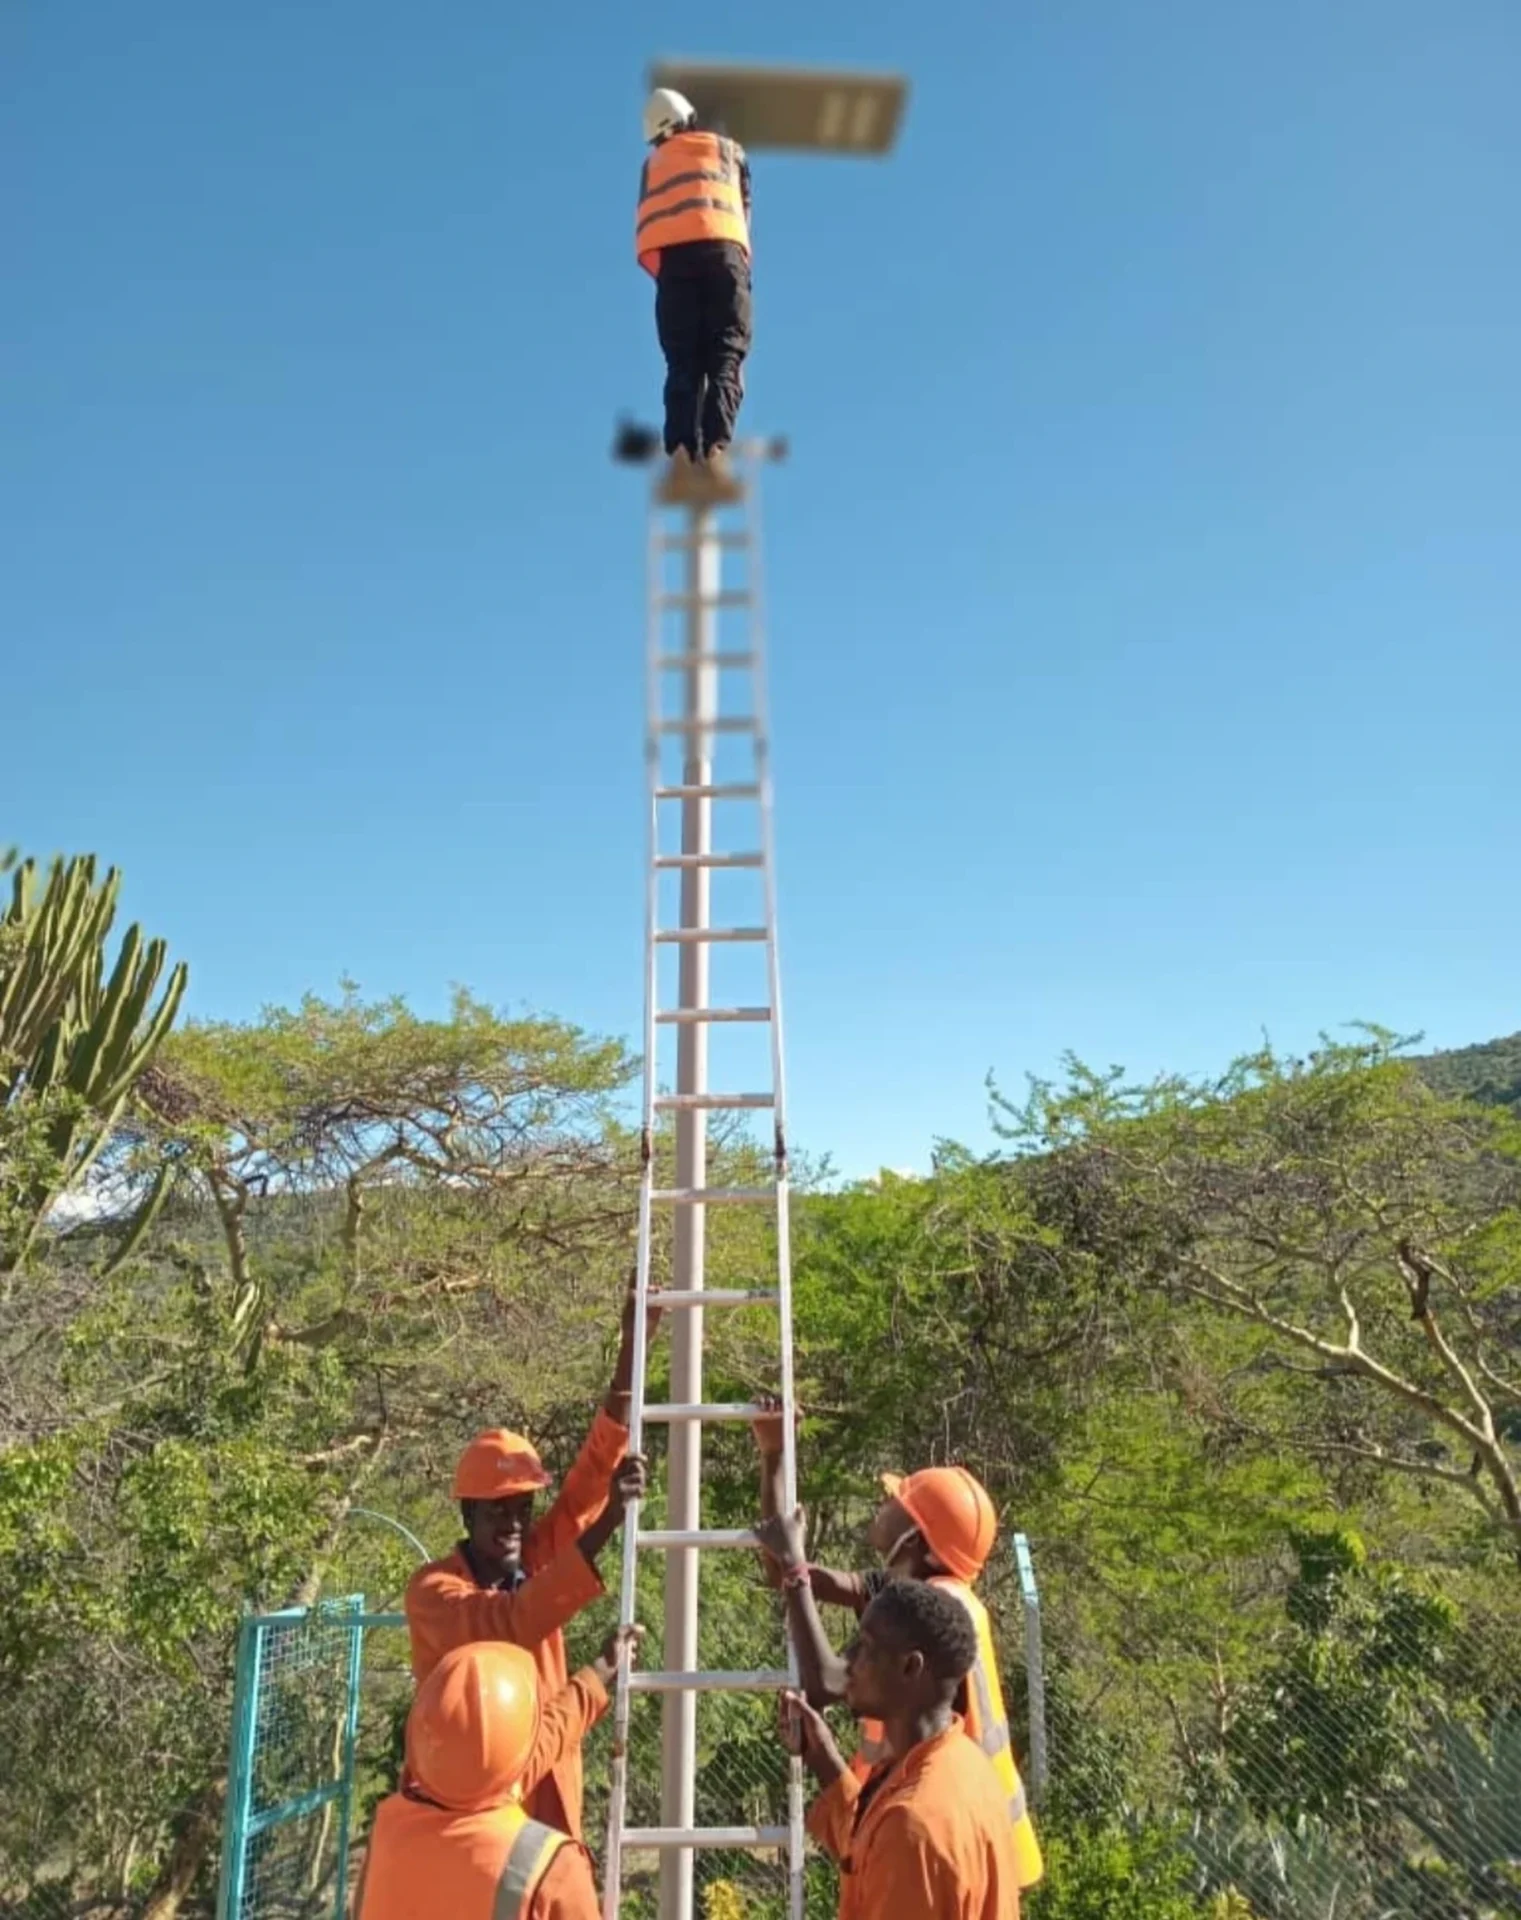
{"x": 1467, "y": 1804}
{"x": 73, "y": 1040}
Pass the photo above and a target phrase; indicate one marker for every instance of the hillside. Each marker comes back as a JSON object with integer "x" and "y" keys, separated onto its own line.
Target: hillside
{"x": 1489, "y": 1072}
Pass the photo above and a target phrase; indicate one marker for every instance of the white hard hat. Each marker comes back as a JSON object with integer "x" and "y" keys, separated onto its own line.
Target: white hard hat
{"x": 667, "y": 111}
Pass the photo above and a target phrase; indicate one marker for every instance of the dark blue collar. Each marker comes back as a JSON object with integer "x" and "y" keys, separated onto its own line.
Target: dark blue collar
{"x": 509, "y": 1582}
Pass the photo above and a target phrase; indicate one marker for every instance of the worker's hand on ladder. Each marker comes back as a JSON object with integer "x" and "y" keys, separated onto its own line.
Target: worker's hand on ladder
{"x": 625, "y": 1639}
{"x": 805, "y": 1734}
{"x": 784, "y": 1539}
{"x": 630, "y": 1482}
{"x": 769, "y": 1426}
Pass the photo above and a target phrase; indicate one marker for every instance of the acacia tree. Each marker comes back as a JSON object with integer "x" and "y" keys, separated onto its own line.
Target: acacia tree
{"x": 340, "y": 1108}
{"x": 1368, "y": 1230}
{"x": 378, "y": 1232}
{"x": 950, "y": 1319}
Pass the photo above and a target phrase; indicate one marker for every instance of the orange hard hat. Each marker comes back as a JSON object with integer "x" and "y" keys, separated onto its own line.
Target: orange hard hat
{"x": 473, "y": 1725}
{"x": 951, "y": 1509}
{"x": 497, "y": 1464}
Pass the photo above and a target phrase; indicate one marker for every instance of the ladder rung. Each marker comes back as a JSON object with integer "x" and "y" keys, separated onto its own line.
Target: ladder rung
{"x": 673, "y": 1297}
{"x": 687, "y": 662}
{"x": 709, "y": 1016}
{"x": 711, "y": 1102}
{"x": 695, "y": 936}
{"x": 712, "y": 1196}
{"x": 669, "y": 862}
{"x": 737, "y": 723}
{"x": 727, "y": 597}
{"x": 766, "y": 1680}
{"x": 673, "y": 1412}
{"x": 684, "y": 543}
{"x": 672, "y": 1537}
{"x": 731, "y": 790}
{"x": 636, "y": 1837}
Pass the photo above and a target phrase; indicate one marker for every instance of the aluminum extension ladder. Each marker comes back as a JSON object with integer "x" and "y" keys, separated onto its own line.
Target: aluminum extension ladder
{"x": 707, "y": 534}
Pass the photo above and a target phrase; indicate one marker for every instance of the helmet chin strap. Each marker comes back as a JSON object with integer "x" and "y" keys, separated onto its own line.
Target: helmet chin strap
{"x": 899, "y": 1544}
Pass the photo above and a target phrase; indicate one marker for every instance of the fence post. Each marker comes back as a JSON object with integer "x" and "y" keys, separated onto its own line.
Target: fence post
{"x": 350, "y": 1740}
{"x": 240, "y": 1767}
{"x": 1035, "y": 1668}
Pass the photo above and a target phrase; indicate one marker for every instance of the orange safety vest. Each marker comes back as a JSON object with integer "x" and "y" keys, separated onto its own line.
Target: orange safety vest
{"x": 689, "y": 190}
{"x": 424, "y": 1860}
{"x": 987, "y": 1723}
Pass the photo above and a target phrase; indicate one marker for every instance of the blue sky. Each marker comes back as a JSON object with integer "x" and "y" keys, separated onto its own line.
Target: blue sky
{"x": 1143, "y": 586}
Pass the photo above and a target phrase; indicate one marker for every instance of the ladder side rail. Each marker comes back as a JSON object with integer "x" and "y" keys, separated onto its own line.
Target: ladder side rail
{"x": 761, "y": 703}
{"x": 761, "y": 700}
{"x": 699, "y": 725}
{"x": 795, "y": 1890}
{"x": 629, "y": 1586}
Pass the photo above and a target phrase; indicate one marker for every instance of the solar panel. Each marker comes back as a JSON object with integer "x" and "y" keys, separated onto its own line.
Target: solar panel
{"x": 797, "y": 110}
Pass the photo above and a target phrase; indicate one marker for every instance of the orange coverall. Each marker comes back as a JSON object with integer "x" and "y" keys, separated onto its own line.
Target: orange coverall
{"x": 425, "y": 1863}
{"x": 446, "y": 1606}
{"x": 567, "y": 1890}
{"x": 926, "y": 1837}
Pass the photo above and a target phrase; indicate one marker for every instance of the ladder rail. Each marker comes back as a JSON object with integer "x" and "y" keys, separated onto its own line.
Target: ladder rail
{"x": 761, "y": 697}
{"x": 628, "y": 1599}
{"x": 762, "y": 702}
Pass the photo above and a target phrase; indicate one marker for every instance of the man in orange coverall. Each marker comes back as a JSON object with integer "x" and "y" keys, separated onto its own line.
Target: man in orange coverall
{"x": 936, "y": 1525}
{"x": 512, "y": 1578}
{"x": 927, "y": 1835}
{"x": 457, "y": 1839}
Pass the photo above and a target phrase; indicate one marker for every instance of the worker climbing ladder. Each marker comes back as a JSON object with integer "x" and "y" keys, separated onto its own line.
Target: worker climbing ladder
{"x": 711, "y": 533}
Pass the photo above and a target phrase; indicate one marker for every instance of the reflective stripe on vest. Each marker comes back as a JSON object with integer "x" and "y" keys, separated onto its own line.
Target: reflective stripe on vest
{"x": 992, "y": 1732}
{"x": 532, "y": 1849}
{"x": 989, "y": 1727}
{"x": 690, "y": 190}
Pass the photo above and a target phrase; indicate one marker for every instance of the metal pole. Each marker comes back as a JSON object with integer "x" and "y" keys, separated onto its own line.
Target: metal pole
{"x": 354, "y": 1618}
{"x": 1035, "y": 1668}
{"x": 684, "y": 1460}
{"x": 232, "y": 1893}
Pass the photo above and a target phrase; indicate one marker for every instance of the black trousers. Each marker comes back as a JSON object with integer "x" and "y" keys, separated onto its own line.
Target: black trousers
{"x": 702, "y": 314}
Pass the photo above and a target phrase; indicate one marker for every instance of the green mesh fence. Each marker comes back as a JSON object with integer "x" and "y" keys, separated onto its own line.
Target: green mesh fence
{"x": 1369, "y": 1766}
{"x": 296, "y": 1788}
